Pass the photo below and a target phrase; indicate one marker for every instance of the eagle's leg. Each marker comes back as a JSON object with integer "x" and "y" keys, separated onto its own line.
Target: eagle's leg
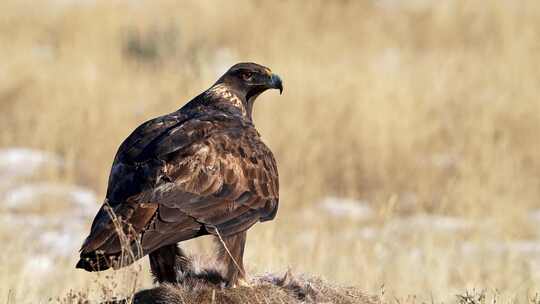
{"x": 231, "y": 254}
{"x": 166, "y": 263}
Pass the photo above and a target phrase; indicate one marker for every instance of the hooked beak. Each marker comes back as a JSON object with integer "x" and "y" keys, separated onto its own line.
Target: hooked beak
{"x": 275, "y": 83}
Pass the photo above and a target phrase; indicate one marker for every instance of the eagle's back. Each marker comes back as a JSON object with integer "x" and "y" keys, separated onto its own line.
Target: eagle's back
{"x": 199, "y": 170}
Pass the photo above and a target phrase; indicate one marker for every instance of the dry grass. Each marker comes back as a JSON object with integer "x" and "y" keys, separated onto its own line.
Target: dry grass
{"x": 415, "y": 107}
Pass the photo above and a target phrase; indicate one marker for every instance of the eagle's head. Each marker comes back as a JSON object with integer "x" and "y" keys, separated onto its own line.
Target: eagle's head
{"x": 251, "y": 79}
{"x": 242, "y": 83}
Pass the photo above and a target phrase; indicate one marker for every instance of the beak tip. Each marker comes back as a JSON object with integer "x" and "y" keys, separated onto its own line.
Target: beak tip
{"x": 276, "y": 81}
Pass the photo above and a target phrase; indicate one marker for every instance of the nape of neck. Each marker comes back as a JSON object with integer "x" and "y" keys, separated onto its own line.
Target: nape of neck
{"x": 221, "y": 93}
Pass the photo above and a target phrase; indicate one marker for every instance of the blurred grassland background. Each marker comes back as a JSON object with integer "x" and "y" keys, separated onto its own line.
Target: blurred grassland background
{"x": 406, "y": 137}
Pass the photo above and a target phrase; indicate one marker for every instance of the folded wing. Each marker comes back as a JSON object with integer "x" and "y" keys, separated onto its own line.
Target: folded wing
{"x": 176, "y": 178}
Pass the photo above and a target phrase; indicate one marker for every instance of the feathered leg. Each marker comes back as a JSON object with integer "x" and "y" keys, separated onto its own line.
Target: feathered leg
{"x": 231, "y": 254}
{"x": 166, "y": 262}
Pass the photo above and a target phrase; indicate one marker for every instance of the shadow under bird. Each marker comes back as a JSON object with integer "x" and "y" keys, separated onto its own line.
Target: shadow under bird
{"x": 202, "y": 170}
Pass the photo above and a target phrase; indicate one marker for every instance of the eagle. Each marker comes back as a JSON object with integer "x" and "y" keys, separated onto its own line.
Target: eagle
{"x": 201, "y": 170}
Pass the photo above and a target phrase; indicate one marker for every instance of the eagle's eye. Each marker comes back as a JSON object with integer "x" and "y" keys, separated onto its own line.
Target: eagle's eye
{"x": 247, "y": 76}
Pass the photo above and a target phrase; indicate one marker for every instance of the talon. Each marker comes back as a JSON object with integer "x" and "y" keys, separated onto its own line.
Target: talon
{"x": 239, "y": 283}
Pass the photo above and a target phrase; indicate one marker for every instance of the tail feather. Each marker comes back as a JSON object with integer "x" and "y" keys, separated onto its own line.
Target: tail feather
{"x": 93, "y": 262}
{"x": 115, "y": 236}
{"x": 99, "y": 261}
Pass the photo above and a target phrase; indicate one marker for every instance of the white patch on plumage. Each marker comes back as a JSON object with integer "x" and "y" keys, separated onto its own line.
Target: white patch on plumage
{"x": 222, "y": 91}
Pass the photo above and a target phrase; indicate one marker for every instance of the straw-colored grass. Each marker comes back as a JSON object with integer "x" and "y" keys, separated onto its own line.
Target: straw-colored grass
{"x": 417, "y": 107}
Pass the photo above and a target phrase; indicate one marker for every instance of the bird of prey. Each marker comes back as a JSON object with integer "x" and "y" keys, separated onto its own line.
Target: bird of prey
{"x": 201, "y": 170}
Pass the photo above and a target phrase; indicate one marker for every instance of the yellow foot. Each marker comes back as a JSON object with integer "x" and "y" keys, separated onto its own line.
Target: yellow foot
{"x": 244, "y": 283}
{"x": 240, "y": 283}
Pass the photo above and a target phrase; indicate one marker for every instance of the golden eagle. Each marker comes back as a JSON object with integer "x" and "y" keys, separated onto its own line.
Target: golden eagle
{"x": 202, "y": 170}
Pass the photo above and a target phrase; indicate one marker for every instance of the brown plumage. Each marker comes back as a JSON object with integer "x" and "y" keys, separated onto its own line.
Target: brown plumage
{"x": 197, "y": 171}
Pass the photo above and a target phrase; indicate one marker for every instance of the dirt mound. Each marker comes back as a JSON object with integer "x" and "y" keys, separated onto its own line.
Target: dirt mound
{"x": 202, "y": 282}
{"x": 269, "y": 288}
